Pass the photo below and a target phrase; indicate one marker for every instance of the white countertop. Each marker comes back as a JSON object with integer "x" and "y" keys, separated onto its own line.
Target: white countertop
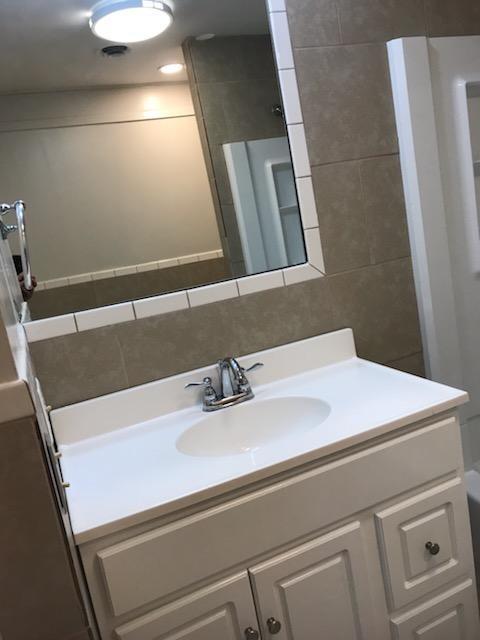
{"x": 122, "y": 475}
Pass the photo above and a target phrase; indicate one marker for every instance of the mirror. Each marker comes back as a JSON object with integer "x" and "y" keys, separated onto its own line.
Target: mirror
{"x": 139, "y": 182}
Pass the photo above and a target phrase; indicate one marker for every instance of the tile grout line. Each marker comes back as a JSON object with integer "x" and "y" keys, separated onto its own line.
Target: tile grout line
{"x": 362, "y": 159}
{"x": 365, "y": 215}
{"x": 408, "y": 355}
{"x": 369, "y": 266}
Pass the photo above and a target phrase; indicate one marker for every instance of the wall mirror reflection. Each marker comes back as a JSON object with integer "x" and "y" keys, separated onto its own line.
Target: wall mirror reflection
{"x": 145, "y": 167}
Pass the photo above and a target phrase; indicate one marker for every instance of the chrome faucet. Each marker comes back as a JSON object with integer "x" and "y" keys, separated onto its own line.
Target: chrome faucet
{"x": 234, "y": 385}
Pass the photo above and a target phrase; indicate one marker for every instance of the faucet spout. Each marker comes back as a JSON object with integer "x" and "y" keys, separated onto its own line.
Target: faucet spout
{"x": 234, "y": 385}
{"x": 232, "y": 378}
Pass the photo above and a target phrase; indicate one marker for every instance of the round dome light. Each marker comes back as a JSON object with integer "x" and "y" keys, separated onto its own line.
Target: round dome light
{"x": 130, "y": 20}
{"x": 169, "y": 69}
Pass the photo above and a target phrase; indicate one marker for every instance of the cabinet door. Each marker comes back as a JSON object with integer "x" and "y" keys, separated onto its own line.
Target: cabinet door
{"x": 222, "y": 611}
{"x": 317, "y": 590}
{"x": 450, "y": 616}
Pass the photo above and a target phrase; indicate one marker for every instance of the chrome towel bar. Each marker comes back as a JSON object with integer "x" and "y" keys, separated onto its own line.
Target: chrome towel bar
{"x": 19, "y": 207}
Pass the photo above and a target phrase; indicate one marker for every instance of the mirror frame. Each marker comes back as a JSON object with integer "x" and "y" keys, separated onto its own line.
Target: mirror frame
{"x": 314, "y": 267}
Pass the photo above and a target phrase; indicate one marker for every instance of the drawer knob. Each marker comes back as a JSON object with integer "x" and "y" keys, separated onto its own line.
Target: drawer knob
{"x": 432, "y": 547}
{"x": 273, "y": 625}
{"x": 251, "y": 634}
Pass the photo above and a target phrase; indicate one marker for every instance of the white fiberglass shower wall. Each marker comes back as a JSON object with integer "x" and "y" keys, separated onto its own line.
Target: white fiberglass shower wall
{"x": 436, "y": 86}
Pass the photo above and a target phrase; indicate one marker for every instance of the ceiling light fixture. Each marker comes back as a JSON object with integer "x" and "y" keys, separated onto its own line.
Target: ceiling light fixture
{"x": 130, "y": 20}
{"x": 169, "y": 69}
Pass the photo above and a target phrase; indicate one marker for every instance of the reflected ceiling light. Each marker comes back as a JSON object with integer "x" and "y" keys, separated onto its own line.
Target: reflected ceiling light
{"x": 130, "y": 20}
{"x": 176, "y": 67}
{"x": 205, "y": 36}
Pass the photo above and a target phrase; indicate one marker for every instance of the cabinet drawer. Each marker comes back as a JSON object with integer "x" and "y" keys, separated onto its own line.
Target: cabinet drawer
{"x": 425, "y": 542}
{"x": 450, "y": 616}
{"x": 152, "y": 565}
{"x": 223, "y": 610}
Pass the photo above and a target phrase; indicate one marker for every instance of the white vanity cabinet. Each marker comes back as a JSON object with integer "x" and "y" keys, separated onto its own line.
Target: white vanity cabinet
{"x": 370, "y": 544}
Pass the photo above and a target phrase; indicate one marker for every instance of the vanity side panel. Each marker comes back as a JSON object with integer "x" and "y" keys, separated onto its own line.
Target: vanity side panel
{"x": 160, "y": 562}
{"x": 39, "y": 599}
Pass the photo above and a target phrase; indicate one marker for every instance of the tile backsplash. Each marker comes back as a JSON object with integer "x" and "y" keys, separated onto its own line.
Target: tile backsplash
{"x": 378, "y": 302}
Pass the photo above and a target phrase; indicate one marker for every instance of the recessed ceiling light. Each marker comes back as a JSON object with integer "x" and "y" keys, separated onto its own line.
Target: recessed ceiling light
{"x": 130, "y": 20}
{"x": 171, "y": 68}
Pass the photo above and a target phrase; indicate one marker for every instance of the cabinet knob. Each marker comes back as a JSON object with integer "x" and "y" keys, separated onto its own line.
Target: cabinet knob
{"x": 251, "y": 634}
{"x": 273, "y": 625}
{"x": 432, "y": 547}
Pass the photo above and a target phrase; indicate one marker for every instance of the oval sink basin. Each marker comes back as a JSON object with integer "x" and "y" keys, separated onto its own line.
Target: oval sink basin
{"x": 247, "y": 427}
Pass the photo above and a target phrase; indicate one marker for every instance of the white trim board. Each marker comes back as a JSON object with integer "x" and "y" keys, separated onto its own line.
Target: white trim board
{"x": 313, "y": 268}
{"x": 435, "y": 85}
{"x": 95, "y": 106}
{"x": 422, "y": 183}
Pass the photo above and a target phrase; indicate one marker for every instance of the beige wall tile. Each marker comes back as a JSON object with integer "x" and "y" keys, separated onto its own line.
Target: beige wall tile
{"x": 380, "y": 20}
{"x": 80, "y": 366}
{"x": 177, "y": 342}
{"x": 378, "y": 303}
{"x": 232, "y": 233}
{"x": 241, "y": 110}
{"x": 347, "y": 102}
{"x": 222, "y": 182}
{"x": 224, "y": 59}
{"x": 385, "y": 208}
{"x": 56, "y": 302}
{"x": 280, "y": 316}
{"x": 8, "y": 371}
{"x": 452, "y": 17}
{"x": 413, "y": 364}
{"x": 313, "y": 23}
{"x": 235, "y": 85}
{"x": 341, "y": 213}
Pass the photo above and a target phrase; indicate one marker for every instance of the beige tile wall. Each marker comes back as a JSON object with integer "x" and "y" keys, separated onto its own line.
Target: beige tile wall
{"x": 234, "y": 86}
{"x": 7, "y": 365}
{"x": 345, "y": 92}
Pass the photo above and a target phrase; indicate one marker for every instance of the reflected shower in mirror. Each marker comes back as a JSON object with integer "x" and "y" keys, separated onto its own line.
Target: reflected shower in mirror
{"x": 141, "y": 178}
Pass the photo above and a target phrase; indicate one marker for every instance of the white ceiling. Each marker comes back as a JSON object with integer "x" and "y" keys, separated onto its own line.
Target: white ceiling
{"x": 47, "y": 44}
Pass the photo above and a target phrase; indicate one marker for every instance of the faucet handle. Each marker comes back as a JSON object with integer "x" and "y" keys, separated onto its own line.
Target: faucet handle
{"x": 206, "y": 382}
{"x": 254, "y": 367}
{"x": 210, "y": 395}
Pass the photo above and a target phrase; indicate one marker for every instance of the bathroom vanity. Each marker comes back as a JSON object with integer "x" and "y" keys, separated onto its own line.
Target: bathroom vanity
{"x": 349, "y": 520}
